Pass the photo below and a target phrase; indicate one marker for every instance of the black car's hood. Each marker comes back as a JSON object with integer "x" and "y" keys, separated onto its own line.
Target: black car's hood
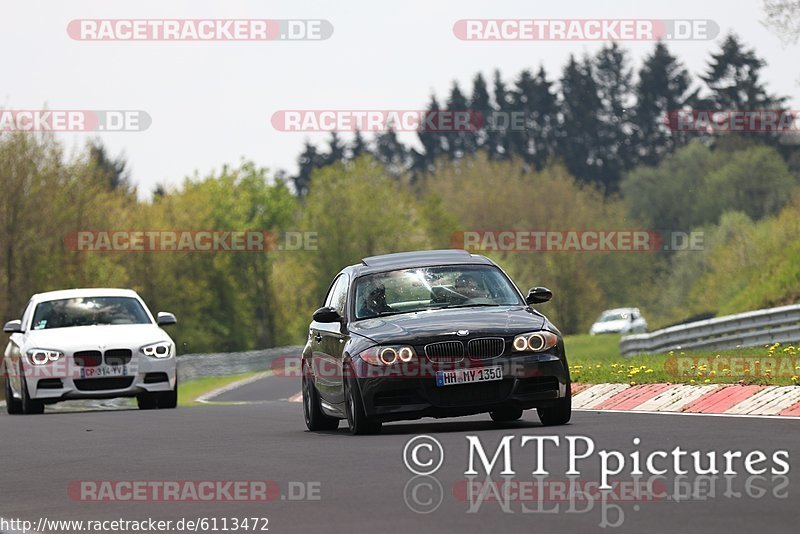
{"x": 500, "y": 320}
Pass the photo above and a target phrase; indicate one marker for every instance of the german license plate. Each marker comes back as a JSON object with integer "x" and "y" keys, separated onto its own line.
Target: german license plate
{"x": 103, "y": 371}
{"x": 468, "y": 376}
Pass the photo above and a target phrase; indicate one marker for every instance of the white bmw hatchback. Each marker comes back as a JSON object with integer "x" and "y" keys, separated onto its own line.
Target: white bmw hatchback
{"x": 89, "y": 344}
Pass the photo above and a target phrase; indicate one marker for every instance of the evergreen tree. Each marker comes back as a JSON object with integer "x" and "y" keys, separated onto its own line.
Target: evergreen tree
{"x": 536, "y": 102}
{"x": 391, "y": 152}
{"x": 308, "y": 161}
{"x": 459, "y": 142}
{"x": 662, "y": 89}
{"x": 498, "y": 136}
{"x": 734, "y": 81}
{"x": 336, "y": 149}
{"x": 481, "y": 107}
{"x": 615, "y": 146}
{"x": 358, "y": 147}
{"x": 433, "y": 143}
{"x": 578, "y": 142}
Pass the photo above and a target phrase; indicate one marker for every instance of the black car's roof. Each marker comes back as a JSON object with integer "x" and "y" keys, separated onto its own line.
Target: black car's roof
{"x": 421, "y": 258}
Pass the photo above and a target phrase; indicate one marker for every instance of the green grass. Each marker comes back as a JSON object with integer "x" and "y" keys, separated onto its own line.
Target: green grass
{"x": 596, "y": 360}
{"x": 189, "y": 391}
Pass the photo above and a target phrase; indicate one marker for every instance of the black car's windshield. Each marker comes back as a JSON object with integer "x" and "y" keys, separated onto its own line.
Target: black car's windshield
{"x": 412, "y": 290}
{"x": 87, "y": 311}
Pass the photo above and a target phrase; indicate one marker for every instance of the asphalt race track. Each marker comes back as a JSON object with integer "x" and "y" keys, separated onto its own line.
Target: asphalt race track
{"x": 362, "y": 482}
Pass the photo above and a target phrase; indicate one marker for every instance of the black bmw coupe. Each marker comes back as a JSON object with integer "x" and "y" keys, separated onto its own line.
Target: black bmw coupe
{"x": 438, "y": 333}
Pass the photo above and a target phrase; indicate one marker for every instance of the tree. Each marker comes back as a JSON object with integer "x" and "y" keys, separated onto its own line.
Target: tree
{"x": 336, "y": 150}
{"x": 390, "y": 151}
{"x": 578, "y": 144}
{"x": 433, "y": 143}
{"x": 536, "y": 103}
{"x": 615, "y": 147}
{"x": 662, "y": 88}
{"x": 459, "y": 142}
{"x": 733, "y": 78}
{"x": 498, "y": 137}
{"x": 358, "y": 147}
{"x": 112, "y": 173}
{"x": 480, "y": 106}
{"x": 307, "y": 162}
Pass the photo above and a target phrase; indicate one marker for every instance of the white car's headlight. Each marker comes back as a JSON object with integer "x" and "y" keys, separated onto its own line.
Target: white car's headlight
{"x": 43, "y": 356}
{"x": 158, "y": 350}
{"x": 535, "y": 341}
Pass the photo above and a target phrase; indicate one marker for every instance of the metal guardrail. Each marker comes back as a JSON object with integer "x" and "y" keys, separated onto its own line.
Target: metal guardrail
{"x": 231, "y": 363}
{"x": 749, "y": 329}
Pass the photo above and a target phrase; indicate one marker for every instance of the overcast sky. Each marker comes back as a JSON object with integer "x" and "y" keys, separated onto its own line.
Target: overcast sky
{"x": 211, "y": 102}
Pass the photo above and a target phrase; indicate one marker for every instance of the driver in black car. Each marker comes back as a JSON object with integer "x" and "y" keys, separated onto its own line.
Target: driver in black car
{"x": 375, "y": 303}
{"x": 469, "y": 286}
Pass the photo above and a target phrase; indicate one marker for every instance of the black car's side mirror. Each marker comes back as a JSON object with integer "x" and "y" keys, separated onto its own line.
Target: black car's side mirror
{"x": 166, "y": 319}
{"x": 327, "y": 315}
{"x": 537, "y": 295}
{"x": 13, "y": 327}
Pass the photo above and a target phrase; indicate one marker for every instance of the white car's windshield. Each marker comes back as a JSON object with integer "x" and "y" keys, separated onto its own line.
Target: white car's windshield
{"x": 87, "y": 311}
{"x": 411, "y": 290}
{"x": 613, "y": 316}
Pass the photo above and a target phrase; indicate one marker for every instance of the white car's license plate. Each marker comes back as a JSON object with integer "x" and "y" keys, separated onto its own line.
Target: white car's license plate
{"x": 468, "y": 376}
{"x": 104, "y": 370}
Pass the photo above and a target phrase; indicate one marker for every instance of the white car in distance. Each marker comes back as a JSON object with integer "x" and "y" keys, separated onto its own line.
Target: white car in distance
{"x": 89, "y": 344}
{"x": 620, "y": 321}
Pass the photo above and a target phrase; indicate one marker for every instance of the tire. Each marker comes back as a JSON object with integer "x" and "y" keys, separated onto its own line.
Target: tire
{"x": 168, "y": 399}
{"x": 559, "y": 414}
{"x": 13, "y": 406}
{"x": 30, "y": 406}
{"x": 315, "y": 418}
{"x": 506, "y": 415}
{"x": 357, "y": 420}
{"x": 147, "y": 401}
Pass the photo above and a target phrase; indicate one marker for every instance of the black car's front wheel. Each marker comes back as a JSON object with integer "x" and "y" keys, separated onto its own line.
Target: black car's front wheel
{"x": 315, "y": 418}
{"x": 559, "y": 414}
{"x": 357, "y": 419}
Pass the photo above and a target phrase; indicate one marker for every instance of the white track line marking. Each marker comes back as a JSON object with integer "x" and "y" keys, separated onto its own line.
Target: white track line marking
{"x": 642, "y": 412}
{"x": 206, "y": 397}
{"x": 297, "y": 397}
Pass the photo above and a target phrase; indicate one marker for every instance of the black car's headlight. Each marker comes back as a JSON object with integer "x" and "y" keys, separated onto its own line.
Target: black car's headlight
{"x": 158, "y": 350}
{"x": 43, "y": 356}
{"x": 535, "y": 341}
{"x": 388, "y": 354}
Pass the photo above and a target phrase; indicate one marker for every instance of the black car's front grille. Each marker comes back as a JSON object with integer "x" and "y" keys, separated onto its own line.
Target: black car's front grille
{"x": 485, "y": 348}
{"x": 88, "y": 358}
{"x": 118, "y": 356}
{"x": 445, "y": 351}
{"x": 101, "y": 384}
{"x": 471, "y": 394}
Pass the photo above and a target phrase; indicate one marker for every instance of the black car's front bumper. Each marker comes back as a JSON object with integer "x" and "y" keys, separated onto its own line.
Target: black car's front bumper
{"x": 535, "y": 380}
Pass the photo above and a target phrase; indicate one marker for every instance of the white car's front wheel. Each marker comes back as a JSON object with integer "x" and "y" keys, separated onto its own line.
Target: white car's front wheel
{"x": 13, "y": 406}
